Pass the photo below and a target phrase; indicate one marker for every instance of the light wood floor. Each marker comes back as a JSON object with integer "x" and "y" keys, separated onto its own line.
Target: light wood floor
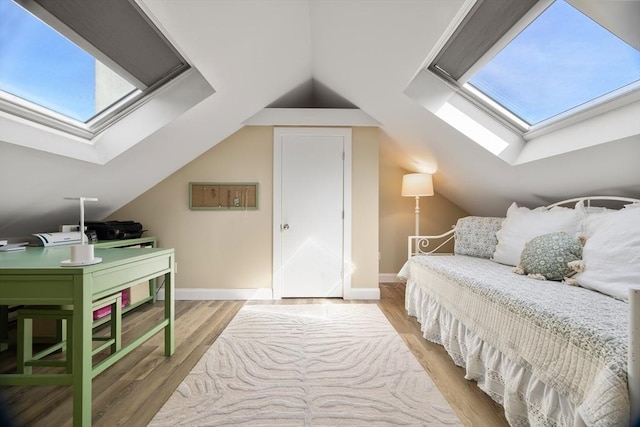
{"x": 134, "y": 389}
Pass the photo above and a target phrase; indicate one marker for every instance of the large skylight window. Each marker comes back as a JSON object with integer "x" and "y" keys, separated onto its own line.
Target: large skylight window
{"x": 531, "y": 64}
{"x": 80, "y": 66}
{"x": 561, "y": 61}
{"x": 40, "y": 66}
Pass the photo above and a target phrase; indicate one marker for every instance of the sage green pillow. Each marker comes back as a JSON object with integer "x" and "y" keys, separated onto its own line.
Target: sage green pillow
{"x": 550, "y": 256}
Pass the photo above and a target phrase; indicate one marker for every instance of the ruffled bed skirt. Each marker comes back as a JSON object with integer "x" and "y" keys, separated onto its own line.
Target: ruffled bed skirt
{"x": 527, "y": 401}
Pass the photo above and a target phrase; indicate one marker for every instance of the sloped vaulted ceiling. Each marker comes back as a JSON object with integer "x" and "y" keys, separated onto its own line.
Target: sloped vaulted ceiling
{"x": 256, "y": 52}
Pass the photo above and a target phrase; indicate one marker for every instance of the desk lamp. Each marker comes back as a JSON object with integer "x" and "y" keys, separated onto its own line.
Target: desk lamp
{"x": 81, "y": 254}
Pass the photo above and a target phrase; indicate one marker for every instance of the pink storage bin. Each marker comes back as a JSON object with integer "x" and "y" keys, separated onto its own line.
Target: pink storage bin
{"x": 105, "y": 311}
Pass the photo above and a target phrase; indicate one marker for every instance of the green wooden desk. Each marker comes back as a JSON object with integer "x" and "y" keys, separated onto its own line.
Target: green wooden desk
{"x": 35, "y": 277}
{"x": 117, "y": 243}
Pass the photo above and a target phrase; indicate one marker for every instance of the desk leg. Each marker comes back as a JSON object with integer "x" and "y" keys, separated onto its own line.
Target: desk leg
{"x": 81, "y": 353}
{"x": 169, "y": 312}
{"x": 153, "y": 283}
{"x": 4, "y": 327}
{"x": 153, "y": 289}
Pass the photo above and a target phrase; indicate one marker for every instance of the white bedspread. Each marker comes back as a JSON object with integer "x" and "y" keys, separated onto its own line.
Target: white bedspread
{"x": 571, "y": 339}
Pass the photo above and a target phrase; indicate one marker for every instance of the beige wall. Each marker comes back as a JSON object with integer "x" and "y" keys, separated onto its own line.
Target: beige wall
{"x": 233, "y": 250}
{"x": 397, "y": 218}
{"x": 364, "y": 209}
{"x": 215, "y": 249}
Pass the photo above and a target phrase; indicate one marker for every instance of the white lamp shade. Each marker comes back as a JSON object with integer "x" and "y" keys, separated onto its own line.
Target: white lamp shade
{"x": 417, "y": 184}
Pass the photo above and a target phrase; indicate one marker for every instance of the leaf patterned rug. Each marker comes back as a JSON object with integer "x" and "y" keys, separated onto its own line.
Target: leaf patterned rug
{"x": 307, "y": 365}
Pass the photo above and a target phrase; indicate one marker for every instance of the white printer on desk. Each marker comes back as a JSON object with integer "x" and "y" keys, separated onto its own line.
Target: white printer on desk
{"x": 56, "y": 239}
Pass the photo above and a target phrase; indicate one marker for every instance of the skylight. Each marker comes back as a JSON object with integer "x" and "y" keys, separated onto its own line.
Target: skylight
{"x": 40, "y": 66}
{"x": 79, "y": 66}
{"x": 561, "y": 61}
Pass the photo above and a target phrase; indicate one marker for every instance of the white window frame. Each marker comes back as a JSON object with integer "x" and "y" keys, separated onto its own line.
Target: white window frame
{"x": 608, "y": 102}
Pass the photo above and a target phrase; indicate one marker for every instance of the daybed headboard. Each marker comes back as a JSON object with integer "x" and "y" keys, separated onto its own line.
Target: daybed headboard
{"x": 427, "y": 245}
{"x": 611, "y": 202}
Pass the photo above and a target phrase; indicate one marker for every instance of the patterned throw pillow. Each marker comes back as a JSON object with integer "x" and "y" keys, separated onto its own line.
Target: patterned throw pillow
{"x": 476, "y": 236}
{"x": 551, "y": 256}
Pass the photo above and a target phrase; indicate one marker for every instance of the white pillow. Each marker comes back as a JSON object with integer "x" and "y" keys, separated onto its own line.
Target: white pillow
{"x": 611, "y": 254}
{"x": 523, "y": 224}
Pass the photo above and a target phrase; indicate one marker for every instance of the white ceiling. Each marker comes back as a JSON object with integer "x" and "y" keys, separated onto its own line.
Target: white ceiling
{"x": 255, "y": 52}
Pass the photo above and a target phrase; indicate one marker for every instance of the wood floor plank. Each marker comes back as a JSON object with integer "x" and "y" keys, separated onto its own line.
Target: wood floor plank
{"x": 134, "y": 389}
{"x": 168, "y": 373}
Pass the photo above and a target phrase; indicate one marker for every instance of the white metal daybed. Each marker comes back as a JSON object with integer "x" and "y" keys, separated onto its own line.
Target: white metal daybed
{"x": 550, "y": 353}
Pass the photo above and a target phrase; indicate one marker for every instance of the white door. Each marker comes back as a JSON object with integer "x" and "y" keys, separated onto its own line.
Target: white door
{"x": 309, "y": 211}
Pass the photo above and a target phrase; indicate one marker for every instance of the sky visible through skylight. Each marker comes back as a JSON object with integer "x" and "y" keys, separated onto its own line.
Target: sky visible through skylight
{"x": 560, "y": 61}
{"x": 39, "y": 65}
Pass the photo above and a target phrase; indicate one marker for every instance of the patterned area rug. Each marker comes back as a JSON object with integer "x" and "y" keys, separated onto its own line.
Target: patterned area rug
{"x": 307, "y": 365}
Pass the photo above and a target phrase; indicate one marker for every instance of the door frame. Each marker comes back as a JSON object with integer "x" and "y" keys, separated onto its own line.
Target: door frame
{"x": 278, "y": 134}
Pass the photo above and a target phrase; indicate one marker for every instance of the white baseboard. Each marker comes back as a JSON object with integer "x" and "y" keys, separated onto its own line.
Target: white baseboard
{"x": 363, "y": 293}
{"x": 206, "y": 294}
{"x": 388, "y": 278}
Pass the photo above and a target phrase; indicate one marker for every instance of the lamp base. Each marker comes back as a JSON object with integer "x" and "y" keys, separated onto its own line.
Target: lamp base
{"x": 69, "y": 263}
{"x": 81, "y": 255}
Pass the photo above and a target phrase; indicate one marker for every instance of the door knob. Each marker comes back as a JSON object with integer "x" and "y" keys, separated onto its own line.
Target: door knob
{"x": 285, "y": 227}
